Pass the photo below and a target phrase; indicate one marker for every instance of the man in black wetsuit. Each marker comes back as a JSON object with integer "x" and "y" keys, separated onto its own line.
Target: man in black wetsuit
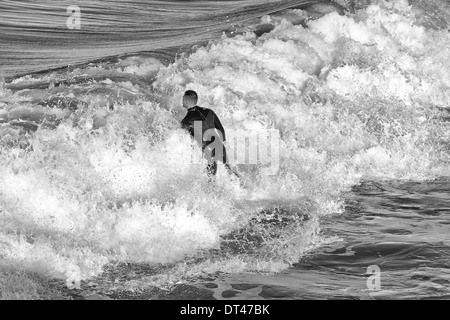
{"x": 203, "y": 124}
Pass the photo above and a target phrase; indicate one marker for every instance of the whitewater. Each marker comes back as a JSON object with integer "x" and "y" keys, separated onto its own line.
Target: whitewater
{"x": 98, "y": 192}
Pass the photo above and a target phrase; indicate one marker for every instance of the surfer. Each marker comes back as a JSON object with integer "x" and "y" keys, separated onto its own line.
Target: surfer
{"x": 204, "y": 125}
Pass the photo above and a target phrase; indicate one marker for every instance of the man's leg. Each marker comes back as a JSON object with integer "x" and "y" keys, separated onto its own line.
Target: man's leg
{"x": 211, "y": 169}
{"x": 227, "y": 166}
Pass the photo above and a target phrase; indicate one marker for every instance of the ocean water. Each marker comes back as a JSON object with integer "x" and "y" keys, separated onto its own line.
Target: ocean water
{"x": 99, "y": 192}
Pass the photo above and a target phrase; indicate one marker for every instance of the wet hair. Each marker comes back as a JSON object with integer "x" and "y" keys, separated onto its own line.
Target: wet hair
{"x": 191, "y": 96}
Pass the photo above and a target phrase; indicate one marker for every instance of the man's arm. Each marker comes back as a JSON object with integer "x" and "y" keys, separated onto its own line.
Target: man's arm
{"x": 188, "y": 124}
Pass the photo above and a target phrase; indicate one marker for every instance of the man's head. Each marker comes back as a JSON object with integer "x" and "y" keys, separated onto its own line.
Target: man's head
{"x": 190, "y": 99}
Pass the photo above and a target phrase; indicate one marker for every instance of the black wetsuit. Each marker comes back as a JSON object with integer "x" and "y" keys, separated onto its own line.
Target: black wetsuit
{"x": 209, "y": 120}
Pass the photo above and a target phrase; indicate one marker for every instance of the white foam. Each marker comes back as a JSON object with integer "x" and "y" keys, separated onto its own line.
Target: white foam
{"x": 352, "y": 96}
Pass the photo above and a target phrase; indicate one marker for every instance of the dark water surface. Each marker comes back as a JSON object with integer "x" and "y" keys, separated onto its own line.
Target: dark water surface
{"x": 35, "y": 36}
